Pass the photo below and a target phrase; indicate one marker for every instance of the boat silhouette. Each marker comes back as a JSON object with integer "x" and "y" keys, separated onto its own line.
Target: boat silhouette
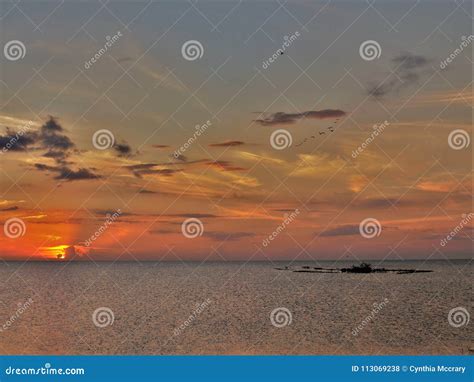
{"x": 361, "y": 268}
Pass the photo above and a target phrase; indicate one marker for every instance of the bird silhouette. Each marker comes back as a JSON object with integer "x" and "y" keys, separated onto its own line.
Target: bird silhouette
{"x": 299, "y": 144}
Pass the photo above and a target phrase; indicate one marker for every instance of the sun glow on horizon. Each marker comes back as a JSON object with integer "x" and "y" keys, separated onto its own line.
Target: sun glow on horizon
{"x": 55, "y": 252}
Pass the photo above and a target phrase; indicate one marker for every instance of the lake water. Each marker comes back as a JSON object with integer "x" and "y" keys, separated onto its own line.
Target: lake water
{"x": 225, "y": 308}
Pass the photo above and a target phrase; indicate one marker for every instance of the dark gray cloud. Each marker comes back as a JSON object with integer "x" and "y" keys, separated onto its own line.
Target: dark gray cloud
{"x": 224, "y": 165}
{"x": 227, "y": 144}
{"x": 141, "y": 166}
{"x": 66, "y": 173}
{"x": 55, "y": 141}
{"x": 123, "y": 149}
{"x": 12, "y": 208}
{"x": 282, "y": 118}
{"x": 408, "y": 69}
{"x": 179, "y": 157}
{"x": 45, "y": 167}
{"x": 145, "y": 191}
{"x": 158, "y": 171}
{"x": 408, "y": 61}
{"x": 142, "y": 169}
{"x": 58, "y": 146}
{"x": 17, "y": 141}
{"x": 50, "y": 137}
{"x": 151, "y": 169}
{"x": 59, "y": 157}
{"x": 226, "y": 236}
{"x": 193, "y": 215}
{"x": 51, "y": 126}
{"x": 80, "y": 174}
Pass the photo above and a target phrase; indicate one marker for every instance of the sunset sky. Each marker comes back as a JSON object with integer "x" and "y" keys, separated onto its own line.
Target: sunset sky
{"x": 231, "y": 178}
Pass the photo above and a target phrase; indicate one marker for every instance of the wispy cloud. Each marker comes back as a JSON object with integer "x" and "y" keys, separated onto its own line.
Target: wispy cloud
{"x": 409, "y": 68}
{"x": 343, "y": 230}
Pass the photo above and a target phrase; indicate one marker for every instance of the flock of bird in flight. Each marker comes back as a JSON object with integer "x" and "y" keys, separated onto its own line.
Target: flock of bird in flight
{"x": 330, "y": 128}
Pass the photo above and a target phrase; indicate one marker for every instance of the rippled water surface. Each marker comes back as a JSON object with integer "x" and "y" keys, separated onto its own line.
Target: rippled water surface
{"x": 225, "y": 308}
